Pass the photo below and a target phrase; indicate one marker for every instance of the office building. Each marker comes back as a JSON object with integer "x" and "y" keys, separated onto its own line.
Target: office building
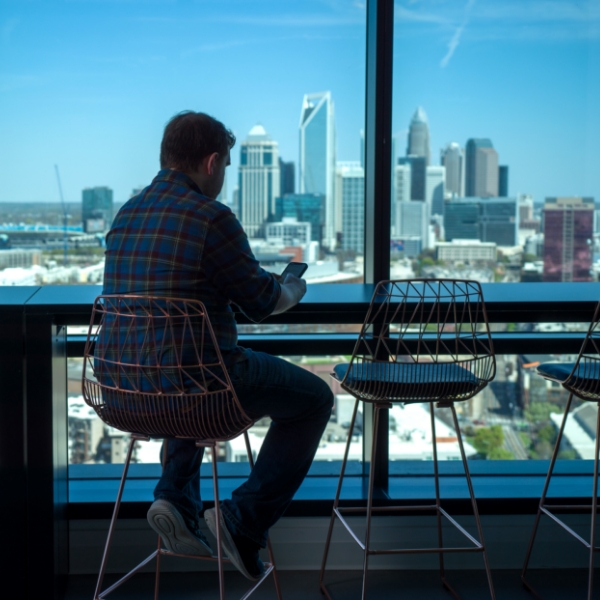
{"x": 287, "y": 177}
{"x": 485, "y": 219}
{"x": 402, "y": 192}
{"x": 435, "y": 185}
{"x": 467, "y": 251}
{"x": 453, "y": 158}
{"x": 308, "y": 208}
{"x": 418, "y": 136}
{"x": 503, "y": 181}
{"x": 568, "y": 234}
{"x": 96, "y": 209}
{"x": 258, "y": 180}
{"x": 288, "y": 232}
{"x": 317, "y": 157}
{"x": 418, "y": 177}
{"x": 481, "y": 173}
{"x": 414, "y": 221}
{"x": 351, "y": 189}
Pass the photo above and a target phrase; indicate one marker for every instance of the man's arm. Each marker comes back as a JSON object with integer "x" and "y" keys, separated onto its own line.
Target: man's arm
{"x": 292, "y": 291}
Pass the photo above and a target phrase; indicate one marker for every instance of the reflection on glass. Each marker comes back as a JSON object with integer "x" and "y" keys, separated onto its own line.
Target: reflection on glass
{"x": 515, "y": 418}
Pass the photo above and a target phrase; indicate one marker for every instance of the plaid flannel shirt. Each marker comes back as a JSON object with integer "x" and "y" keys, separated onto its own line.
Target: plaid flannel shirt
{"x": 171, "y": 240}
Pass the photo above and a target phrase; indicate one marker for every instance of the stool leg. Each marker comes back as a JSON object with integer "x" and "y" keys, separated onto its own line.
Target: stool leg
{"x": 473, "y": 502}
{"x": 213, "y": 455}
{"x": 163, "y": 462}
{"x": 544, "y": 492}
{"x": 370, "y": 498}
{"x": 437, "y": 489}
{"x": 269, "y": 548}
{"x": 336, "y": 500}
{"x": 594, "y": 509}
{"x": 113, "y": 521}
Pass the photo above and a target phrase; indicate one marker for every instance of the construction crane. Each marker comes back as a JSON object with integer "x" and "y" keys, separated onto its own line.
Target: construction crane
{"x": 65, "y": 217}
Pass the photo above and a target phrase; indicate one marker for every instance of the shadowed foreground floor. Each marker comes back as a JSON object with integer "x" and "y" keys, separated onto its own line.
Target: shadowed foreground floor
{"x": 563, "y": 584}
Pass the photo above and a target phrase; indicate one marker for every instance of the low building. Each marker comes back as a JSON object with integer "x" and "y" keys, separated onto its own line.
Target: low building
{"x": 467, "y": 251}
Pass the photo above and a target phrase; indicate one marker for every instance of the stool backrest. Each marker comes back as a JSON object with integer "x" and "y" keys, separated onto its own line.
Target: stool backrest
{"x": 152, "y": 366}
{"x": 584, "y": 379}
{"x": 428, "y": 321}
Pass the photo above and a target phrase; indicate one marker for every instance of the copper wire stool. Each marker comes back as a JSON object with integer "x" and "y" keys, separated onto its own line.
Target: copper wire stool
{"x": 581, "y": 379}
{"x": 422, "y": 341}
{"x": 152, "y": 368}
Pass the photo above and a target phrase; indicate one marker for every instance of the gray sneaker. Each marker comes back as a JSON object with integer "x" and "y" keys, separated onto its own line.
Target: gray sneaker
{"x": 241, "y": 551}
{"x": 167, "y": 521}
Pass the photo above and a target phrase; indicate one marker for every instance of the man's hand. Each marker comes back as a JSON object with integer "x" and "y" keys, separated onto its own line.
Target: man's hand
{"x": 292, "y": 291}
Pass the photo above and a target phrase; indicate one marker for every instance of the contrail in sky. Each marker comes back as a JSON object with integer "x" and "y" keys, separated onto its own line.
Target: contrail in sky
{"x": 455, "y": 41}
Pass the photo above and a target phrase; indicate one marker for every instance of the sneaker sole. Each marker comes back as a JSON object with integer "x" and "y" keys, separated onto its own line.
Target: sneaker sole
{"x": 164, "y": 518}
{"x": 227, "y": 543}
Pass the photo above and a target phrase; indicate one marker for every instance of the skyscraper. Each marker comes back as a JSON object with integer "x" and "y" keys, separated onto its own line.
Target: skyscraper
{"x": 435, "y": 184}
{"x": 503, "y": 181}
{"x": 317, "y": 157}
{"x": 96, "y": 209}
{"x": 568, "y": 239}
{"x": 481, "y": 177}
{"x": 453, "y": 158}
{"x": 418, "y": 177}
{"x": 402, "y": 191}
{"x": 258, "y": 180}
{"x": 418, "y": 136}
{"x": 287, "y": 177}
{"x": 351, "y": 188}
{"x": 486, "y": 219}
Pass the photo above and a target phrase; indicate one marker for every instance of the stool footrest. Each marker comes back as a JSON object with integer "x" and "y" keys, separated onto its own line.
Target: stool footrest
{"x": 566, "y": 527}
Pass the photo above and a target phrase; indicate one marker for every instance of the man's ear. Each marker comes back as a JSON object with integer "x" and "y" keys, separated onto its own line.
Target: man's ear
{"x": 209, "y": 163}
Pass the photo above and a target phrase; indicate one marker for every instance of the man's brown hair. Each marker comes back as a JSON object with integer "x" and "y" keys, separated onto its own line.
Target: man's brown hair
{"x": 191, "y": 136}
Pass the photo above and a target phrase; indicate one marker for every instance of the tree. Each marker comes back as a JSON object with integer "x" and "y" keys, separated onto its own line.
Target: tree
{"x": 500, "y": 454}
{"x": 488, "y": 438}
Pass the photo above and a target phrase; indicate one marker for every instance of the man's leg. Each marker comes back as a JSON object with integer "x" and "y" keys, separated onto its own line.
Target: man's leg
{"x": 175, "y": 513}
{"x": 299, "y": 404}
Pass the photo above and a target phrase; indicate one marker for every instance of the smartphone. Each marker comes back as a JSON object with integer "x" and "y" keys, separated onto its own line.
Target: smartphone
{"x": 297, "y": 269}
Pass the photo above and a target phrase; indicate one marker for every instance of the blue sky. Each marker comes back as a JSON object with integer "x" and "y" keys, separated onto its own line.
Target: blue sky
{"x": 89, "y": 84}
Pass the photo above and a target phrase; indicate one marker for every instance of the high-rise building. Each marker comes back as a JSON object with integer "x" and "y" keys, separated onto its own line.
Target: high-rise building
{"x": 402, "y": 190}
{"x": 481, "y": 173}
{"x": 307, "y": 208}
{"x": 351, "y": 188}
{"x": 568, "y": 239}
{"x": 258, "y": 180}
{"x": 418, "y": 177}
{"x": 486, "y": 219}
{"x": 287, "y": 177}
{"x": 317, "y": 157}
{"x": 453, "y": 158}
{"x": 503, "y": 181}
{"x": 435, "y": 184}
{"x": 418, "y": 136}
{"x": 414, "y": 221}
{"x": 96, "y": 209}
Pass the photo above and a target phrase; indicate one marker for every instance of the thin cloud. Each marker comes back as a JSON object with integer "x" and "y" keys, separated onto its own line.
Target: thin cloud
{"x": 455, "y": 40}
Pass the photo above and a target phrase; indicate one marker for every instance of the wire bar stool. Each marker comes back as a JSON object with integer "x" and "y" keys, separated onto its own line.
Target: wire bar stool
{"x": 152, "y": 368}
{"x": 581, "y": 379}
{"x": 425, "y": 341}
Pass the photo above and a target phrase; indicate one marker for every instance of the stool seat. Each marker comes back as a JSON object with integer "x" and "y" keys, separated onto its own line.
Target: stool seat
{"x": 582, "y": 377}
{"x": 410, "y": 382}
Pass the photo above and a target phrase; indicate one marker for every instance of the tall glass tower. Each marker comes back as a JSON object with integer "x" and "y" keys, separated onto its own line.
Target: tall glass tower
{"x": 481, "y": 173}
{"x": 418, "y": 136}
{"x": 317, "y": 157}
{"x": 258, "y": 180}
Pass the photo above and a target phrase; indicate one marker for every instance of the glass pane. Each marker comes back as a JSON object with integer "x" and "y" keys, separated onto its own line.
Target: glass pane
{"x": 93, "y": 442}
{"x": 286, "y": 77}
{"x": 495, "y": 175}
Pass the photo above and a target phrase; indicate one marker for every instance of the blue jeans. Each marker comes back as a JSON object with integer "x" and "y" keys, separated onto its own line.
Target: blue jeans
{"x": 299, "y": 405}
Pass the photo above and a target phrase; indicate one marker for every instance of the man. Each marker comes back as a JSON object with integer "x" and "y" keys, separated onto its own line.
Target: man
{"x": 174, "y": 239}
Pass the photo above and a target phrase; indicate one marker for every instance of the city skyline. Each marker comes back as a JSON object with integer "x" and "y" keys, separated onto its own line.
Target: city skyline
{"x": 524, "y": 74}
